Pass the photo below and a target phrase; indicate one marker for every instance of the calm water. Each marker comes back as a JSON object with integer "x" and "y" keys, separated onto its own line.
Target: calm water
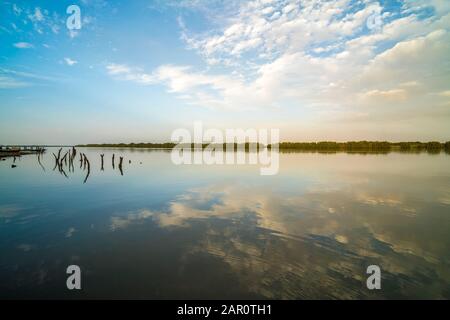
{"x": 165, "y": 231}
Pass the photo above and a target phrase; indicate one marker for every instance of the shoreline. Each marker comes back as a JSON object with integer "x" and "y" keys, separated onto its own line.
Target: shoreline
{"x": 324, "y": 146}
{"x": 18, "y": 153}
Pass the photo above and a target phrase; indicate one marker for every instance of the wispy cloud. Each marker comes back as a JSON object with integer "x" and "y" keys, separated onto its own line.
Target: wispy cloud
{"x": 16, "y": 9}
{"x": 11, "y": 83}
{"x": 124, "y": 72}
{"x": 445, "y": 93}
{"x": 70, "y": 62}
{"x": 42, "y": 20}
{"x": 23, "y": 45}
{"x": 11, "y": 79}
{"x": 36, "y": 15}
{"x": 195, "y": 87}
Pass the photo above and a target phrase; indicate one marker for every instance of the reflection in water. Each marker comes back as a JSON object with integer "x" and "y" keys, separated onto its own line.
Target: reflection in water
{"x": 315, "y": 245}
{"x": 39, "y": 161}
{"x": 120, "y": 166}
{"x": 167, "y": 231}
{"x": 86, "y": 162}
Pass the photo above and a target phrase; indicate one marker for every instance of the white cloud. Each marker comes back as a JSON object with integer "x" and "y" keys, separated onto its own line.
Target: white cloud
{"x": 70, "y": 62}
{"x": 115, "y": 69}
{"x": 73, "y": 33}
{"x": 17, "y": 10}
{"x": 297, "y": 25}
{"x": 124, "y": 72}
{"x": 36, "y": 15}
{"x": 445, "y": 93}
{"x": 387, "y": 95}
{"x": 41, "y": 19}
{"x": 317, "y": 55}
{"x": 23, "y": 45}
{"x": 213, "y": 91}
{"x": 11, "y": 83}
{"x": 27, "y": 75}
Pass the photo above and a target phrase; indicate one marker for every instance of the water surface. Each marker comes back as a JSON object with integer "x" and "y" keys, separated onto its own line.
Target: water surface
{"x": 165, "y": 231}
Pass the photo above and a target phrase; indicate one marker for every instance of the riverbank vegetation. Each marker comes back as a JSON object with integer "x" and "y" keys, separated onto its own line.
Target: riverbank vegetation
{"x": 322, "y": 146}
{"x": 375, "y": 146}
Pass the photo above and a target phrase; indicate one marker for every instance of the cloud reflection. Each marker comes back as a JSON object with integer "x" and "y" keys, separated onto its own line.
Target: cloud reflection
{"x": 314, "y": 244}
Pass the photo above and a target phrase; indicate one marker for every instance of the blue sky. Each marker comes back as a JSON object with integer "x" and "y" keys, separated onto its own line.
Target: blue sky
{"x": 136, "y": 70}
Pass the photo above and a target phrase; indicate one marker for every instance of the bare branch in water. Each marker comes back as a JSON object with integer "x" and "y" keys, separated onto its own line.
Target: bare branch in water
{"x": 120, "y": 165}
{"x": 59, "y": 154}
{"x": 88, "y": 169}
{"x": 39, "y": 160}
{"x": 56, "y": 161}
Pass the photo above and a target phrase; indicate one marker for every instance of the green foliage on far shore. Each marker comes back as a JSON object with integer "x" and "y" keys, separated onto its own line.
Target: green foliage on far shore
{"x": 366, "y": 146}
{"x": 324, "y": 146}
{"x": 167, "y": 145}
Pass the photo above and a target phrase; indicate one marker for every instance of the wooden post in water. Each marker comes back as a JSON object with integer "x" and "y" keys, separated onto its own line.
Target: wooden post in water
{"x": 56, "y": 161}
{"x": 88, "y": 169}
{"x": 59, "y": 154}
{"x": 101, "y": 156}
{"x": 120, "y": 165}
{"x": 71, "y": 159}
{"x": 85, "y": 162}
{"x": 64, "y": 158}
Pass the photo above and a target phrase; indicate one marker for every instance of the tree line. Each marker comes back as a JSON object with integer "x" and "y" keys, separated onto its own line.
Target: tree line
{"x": 325, "y": 146}
{"x": 366, "y": 146}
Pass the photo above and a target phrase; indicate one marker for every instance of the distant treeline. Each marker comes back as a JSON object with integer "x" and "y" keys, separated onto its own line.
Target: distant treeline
{"x": 375, "y": 146}
{"x": 170, "y": 145}
{"x": 166, "y": 145}
{"x": 325, "y": 146}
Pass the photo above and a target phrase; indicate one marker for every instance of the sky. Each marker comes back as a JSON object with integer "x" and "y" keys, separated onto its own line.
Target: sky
{"x": 136, "y": 70}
